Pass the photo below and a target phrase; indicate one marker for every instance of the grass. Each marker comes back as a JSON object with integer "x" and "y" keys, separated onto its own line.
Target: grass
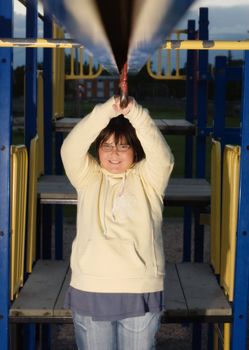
{"x": 171, "y": 109}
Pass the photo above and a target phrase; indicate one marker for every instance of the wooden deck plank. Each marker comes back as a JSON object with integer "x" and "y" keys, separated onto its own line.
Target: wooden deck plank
{"x": 191, "y": 292}
{"x": 37, "y": 297}
{"x": 202, "y": 291}
{"x": 175, "y": 304}
{"x": 56, "y": 189}
{"x": 167, "y": 126}
{"x": 60, "y": 310}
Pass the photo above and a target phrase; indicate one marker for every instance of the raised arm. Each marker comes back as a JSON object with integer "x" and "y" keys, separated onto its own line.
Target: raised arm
{"x": 74, "y": 150}
{"x": 158, "y": 165}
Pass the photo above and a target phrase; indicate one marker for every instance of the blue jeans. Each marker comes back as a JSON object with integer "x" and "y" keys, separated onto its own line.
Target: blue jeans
{"x": 135, "y": 333}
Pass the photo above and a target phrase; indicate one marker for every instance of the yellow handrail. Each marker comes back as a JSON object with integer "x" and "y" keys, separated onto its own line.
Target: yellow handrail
{"x": 230, "y": 190}
{"x": 32, "y": 204}
{"x": 19, "y": 173}
{"x": 164, "y": 73}
{"x": 82, "y": 74}
{"x": 215, "y": 218}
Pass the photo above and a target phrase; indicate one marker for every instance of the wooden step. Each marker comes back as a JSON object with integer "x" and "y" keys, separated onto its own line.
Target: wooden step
{"x": 192, "y": 293}
{"x": 167, "y": 126}
{"x": 56, "y": 189}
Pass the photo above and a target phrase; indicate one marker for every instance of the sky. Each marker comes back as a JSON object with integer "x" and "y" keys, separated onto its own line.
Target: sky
{"x": 228, "y": 22}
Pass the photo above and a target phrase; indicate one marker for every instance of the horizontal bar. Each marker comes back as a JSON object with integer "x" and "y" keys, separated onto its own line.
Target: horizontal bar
{"x": 40, "y": 43}
{"x": 206, "y": 45}
{"x": 169, "y": 45}
{"x": 166, "y": 318}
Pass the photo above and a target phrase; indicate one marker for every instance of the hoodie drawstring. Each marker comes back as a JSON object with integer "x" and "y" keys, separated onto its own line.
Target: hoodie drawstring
{"x": 120, "y": 193}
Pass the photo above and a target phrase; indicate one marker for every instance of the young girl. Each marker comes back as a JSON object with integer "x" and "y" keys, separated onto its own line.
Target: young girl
{"x": 117, "y": 257}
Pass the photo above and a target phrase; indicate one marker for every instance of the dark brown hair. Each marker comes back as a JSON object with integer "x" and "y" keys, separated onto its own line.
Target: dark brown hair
{"x": 121, "y": 127}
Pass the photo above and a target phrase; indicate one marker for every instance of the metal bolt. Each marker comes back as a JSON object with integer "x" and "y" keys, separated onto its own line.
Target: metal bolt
{"x": 2, "y": 148}
{"x": 1, "y": 233}
{"x": 3, "y": 60}
{"x": 247, "y": 147}
{"x": 244, "y": 233}
{"x": 241, "y": 317}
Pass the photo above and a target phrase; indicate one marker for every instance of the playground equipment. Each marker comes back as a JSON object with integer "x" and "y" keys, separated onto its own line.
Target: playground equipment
{"x": 56, "y": 190}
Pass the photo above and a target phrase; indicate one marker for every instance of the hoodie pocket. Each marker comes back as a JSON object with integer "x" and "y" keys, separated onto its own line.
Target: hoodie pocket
{"x": 111, "y": 258}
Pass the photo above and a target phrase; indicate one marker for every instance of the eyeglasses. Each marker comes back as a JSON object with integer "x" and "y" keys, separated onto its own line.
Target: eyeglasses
{"x": 107, "y": 147}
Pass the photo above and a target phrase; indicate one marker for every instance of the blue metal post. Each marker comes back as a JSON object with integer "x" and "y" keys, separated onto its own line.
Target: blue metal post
{"x": 220, "y": 99}
{"x": 241, "y": 291}
{"x": 202, "y": 101}
{"x": 47, "y": 76}
{"x": 6, "y": 10}
{"x": 201, "y": 148}
{"x": 190, "y": 112}
{"x": 202, "y": 96}
{"x": 48, "y": 107}
{"x": 31, "y": 74}
{"x": 58, "y": 208}
{"x": 30, "y": 113}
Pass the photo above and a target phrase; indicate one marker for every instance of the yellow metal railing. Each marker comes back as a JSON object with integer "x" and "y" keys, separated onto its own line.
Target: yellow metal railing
{"x": 226, "y": 243}
{"x": 79, "y": 70}
{"x": 19, "y": 174}
{"x": 81, "y": 67}
{"x": 162, "y": 63}
{"x": 32, "y": 203}
{"x": 236, "y": 45}
{"x": 230, "y": 190}
{"x": 215, "y": 218}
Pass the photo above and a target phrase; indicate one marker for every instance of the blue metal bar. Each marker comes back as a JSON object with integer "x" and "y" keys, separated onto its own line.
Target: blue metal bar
{"x": 58, "y": 208}
{"x": 48, "y": 107}
{"x": 232, "y": 137}
{"x": 220, "y": 99}
{"x": 190, "y": 112}
{"x": 241, "y": 291}
{"x": 6, "y": 11}
{"x": 202, "y": 96}
{"x": 234, "y": 73}
{"x": 30, "y": 114}
{"x": 201, "y": 148}
{"x": 47, "y": 75}
{"x": 31, "y": 74}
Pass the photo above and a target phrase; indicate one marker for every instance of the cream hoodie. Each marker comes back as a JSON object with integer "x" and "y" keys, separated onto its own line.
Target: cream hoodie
{"x": 118, "y": 245}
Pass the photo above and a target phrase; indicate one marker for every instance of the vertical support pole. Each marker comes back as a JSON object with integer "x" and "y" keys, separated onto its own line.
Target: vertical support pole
{"x": 190, "y": 111}
{"x": 48, "y": 107}
{"x": 31, "y": 75}
{"x": 30, "y": 129}
{"x": 58, "y": 208}
{"x": 241, "y": 291}
{"x": 202, "y": 96}
{"x": 6, "y": 11}
{"x": 201, "y": 142}
{"x": 220, "y": 99}
{"x": 58, "y": 111}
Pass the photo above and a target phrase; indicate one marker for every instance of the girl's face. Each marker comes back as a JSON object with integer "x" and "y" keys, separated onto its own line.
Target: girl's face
{"x": 116, "y": 158}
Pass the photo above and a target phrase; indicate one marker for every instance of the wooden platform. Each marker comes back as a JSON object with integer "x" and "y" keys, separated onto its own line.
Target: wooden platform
{"x": 56, "y": 189}
{"x": 191, "y": 294}
{"x": 167, "y": 126}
